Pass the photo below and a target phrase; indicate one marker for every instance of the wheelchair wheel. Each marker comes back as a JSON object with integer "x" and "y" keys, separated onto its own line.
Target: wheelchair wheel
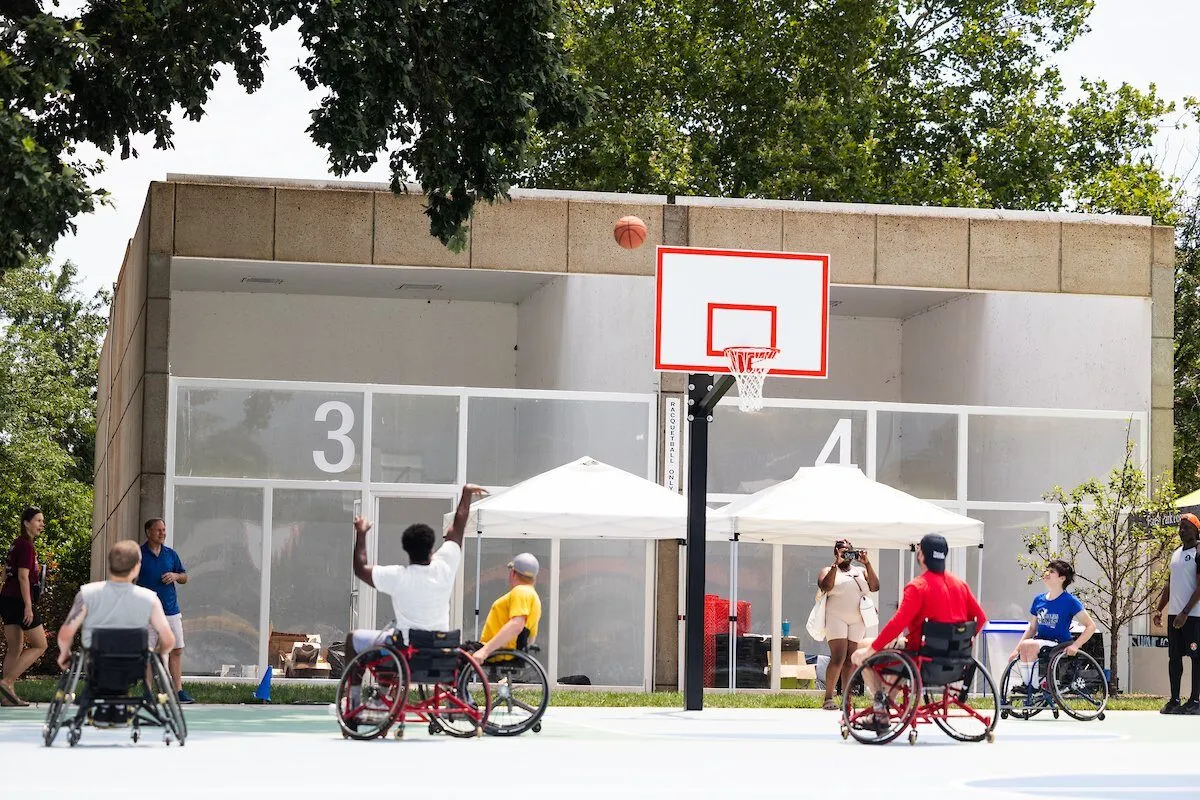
{"x": 1016, "y": 698}
{"x": 164, "y": 695}
{"x": 462, "y": 709}
{"x": 382, "y": 677}
{"x": 953, "y": 713}
{"x": 900, "y": 688}
{"x": 64, "y": 696}
{"x": 1078, "y": 685}
{"x": 520, "y": 692}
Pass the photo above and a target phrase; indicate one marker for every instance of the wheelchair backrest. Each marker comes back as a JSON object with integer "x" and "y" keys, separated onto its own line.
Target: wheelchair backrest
{"x": 947, "y": 648}
{"x": 436, "y": 657}
{"x": 117, "y": 658}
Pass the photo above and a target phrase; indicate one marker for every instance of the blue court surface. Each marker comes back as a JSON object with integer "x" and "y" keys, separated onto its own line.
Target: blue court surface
{"x": 297, "y": 752}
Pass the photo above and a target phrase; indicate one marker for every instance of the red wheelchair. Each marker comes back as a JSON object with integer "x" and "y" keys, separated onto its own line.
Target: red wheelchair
{"x": 392, "y": 684}
{"x": 932, "y": 685}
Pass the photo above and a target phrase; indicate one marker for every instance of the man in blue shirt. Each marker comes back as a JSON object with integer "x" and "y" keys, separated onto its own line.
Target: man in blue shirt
{"x": 162, "y": 571}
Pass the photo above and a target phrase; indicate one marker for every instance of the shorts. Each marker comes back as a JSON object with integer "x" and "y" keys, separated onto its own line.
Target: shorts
{"x": 838, "y": 628}
{"x": 1183, "y": 641}
{"x": 175, "y": 623}
{"x": 12, "y": 611}
{"x": 365, "y": 638}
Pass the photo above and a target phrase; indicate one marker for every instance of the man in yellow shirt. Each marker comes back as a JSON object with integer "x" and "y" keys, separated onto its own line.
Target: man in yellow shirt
{"x": 517, "y": 611}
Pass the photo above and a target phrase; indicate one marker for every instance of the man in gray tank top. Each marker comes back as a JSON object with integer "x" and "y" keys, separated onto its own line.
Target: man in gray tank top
{"x": 115, "y": 603}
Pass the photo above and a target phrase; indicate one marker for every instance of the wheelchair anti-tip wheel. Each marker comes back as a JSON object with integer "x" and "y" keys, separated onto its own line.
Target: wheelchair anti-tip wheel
{"x": 520, "y": 692}
{"x": 1078, "y": 685}
{"x": 381, "y": 679}
{"x": 899, "y": 690}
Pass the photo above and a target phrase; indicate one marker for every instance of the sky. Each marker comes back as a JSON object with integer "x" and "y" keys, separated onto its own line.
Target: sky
{"x": 263, "y": 135}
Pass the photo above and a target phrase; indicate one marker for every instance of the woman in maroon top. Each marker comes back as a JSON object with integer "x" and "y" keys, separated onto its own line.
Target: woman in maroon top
{"x": 20, "y": 592}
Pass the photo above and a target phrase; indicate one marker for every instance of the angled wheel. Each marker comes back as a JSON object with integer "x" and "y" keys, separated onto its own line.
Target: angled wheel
{"x": 371, "y": 693}
{"x": 163, "y": 691}
{"x": 520, "y": 692}
{"x": 1078, "y": 685}
{"x": 1018, "y": 699}
{"x": 64, "y": 695}
{"x": 954, "y": 714}
{"x": 900, "y": 686}
{"x": 461, "y": 709}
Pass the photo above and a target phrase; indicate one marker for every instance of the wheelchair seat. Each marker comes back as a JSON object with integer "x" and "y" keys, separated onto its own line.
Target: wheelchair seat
{"x": 117, "y": 661}
{"x": 436, "y": 658}
{"x": 945, "y": 653}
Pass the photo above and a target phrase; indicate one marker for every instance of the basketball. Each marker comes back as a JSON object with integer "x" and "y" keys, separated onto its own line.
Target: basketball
{"x": 630, "y": 232}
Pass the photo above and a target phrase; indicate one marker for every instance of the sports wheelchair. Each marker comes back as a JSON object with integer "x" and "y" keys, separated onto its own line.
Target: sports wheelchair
{"x": 115, "y": 692}
{"x": 931, "y": 685}
{"x": 1074, "y": 684}
{"x": 417, "y": 682}
{"x": 519, "y": 687}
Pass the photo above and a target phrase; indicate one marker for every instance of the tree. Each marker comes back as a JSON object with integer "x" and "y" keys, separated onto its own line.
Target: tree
{"x": 450, "y": 91}
{"x": 1187, "y": 348}
{"x": 898, "y": 101}
{"x": 1110, "y": 525}
{"x": 49, "y": 350}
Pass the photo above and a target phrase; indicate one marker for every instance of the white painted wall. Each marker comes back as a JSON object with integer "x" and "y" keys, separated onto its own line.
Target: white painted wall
{"x": 319, "y": 338}
{"x": 1032, "y": 350}
{"x": 588, "y": 333}
{"x": 864, "y": 364}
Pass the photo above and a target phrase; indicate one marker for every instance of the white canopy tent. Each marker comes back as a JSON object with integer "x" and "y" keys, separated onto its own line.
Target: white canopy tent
{"x": 818, "y": 506}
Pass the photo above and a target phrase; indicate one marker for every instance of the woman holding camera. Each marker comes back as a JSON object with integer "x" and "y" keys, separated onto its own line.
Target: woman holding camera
{"x": 844, "y": 585}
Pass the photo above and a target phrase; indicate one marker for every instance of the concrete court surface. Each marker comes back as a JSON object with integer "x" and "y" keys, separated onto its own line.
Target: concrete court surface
{"x": 296, "y": 752}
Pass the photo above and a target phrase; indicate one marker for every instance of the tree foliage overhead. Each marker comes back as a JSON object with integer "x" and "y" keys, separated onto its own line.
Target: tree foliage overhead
{"x": 450, "y": 90}
{"x": 49, "y": 350}
{"x": 1187, "y": 348}
{"x": 884, "y": 101}
{"x": 1120, "y": 561}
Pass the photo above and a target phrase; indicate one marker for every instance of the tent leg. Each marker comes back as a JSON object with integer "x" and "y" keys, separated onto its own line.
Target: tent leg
{"x": 478, "y": 563}
{"x": 733, "y": 598}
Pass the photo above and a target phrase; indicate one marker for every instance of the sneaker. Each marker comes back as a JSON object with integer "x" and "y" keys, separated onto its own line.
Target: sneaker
{"x": 184, "y": 697}
{"x": 1191, "y": 707}
{"x": 1172, "y": 707}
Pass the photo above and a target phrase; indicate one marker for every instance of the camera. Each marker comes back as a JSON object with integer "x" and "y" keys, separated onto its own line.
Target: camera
{"x": 851, "y": 555}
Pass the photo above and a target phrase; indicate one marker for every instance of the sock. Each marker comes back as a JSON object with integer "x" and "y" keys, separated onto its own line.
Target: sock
{"x": 1026, "y": 668}
{"x": 1175, "y": 676}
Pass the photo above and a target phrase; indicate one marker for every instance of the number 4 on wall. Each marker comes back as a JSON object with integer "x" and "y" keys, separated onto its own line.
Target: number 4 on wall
{"x": 840, "y": 438}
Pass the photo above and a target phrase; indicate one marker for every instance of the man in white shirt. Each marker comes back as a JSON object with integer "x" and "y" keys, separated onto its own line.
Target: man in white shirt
{"x": 421, "y": 591}
{"x": 1181, "y": 598}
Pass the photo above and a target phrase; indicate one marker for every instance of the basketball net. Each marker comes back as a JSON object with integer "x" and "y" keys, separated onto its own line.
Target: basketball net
{"x": 750, "y": 366}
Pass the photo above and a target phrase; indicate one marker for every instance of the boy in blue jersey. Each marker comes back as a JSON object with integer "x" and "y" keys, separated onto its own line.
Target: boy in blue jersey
{"x": 1052, "y": 613}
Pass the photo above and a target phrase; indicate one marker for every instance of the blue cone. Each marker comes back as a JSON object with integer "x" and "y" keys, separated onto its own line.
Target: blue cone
{"x": 263, "y": 692}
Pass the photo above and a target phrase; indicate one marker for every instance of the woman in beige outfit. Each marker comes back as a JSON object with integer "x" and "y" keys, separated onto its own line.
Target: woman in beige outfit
{"x": 844, "y": 584}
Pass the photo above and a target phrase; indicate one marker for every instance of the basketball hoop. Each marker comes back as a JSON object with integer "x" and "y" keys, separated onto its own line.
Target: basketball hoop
{"x": 750, "y": 366}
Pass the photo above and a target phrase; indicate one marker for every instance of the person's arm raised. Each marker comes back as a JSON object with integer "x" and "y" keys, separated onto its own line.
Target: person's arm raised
{"x": 362, "y": 570}
{"x": 459, "y": 528}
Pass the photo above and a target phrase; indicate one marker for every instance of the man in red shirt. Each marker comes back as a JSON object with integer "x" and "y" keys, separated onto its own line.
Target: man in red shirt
{"x": 934, "y": 595}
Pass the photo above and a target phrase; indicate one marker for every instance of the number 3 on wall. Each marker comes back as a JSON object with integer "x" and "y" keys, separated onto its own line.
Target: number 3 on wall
{"x": 347, "y": 444}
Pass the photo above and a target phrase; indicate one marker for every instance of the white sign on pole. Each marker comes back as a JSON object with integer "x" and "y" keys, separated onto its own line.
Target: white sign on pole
{"x": 673, "y": 444}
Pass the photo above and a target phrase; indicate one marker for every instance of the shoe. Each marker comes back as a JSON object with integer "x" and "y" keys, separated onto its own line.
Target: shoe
{"x": 9, "y": 698}
{"x": 1020, "y": 688}
{"x": 1191, "y": 708}
{"x": 831, "y": 705}
{"x": 1172, "y": 707}
{"x": 184, "y": 697}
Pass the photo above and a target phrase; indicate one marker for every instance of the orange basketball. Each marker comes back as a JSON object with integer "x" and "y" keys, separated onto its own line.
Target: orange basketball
{"x": 630, "y": 232}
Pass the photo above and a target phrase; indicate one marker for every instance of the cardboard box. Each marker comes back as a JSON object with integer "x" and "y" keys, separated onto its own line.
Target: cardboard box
{"x": 279, "y": 644}
{"x": 792, "y": 665}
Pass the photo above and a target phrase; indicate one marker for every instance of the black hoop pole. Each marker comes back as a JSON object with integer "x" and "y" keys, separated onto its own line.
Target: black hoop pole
{"x": 702, "y": 396}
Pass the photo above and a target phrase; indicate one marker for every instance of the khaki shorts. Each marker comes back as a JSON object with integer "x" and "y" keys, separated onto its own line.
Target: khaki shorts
{"x": 837, "y": 628}
{"x": 175, "y": 623}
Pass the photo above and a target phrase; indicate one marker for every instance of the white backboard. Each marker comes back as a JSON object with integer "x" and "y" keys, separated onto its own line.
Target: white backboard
{"x": 709, "y": 299}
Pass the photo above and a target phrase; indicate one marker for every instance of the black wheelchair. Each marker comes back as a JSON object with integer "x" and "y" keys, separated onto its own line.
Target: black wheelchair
{"x": 419, "y": 681}
{"x": 114, "y": 691}
{"x": 519, "y": 687}
{"x": 932, "y": 685}
{"x": 1058, "y": 681}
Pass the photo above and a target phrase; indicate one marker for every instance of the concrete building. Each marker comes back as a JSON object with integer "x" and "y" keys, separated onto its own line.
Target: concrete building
{"x": 280, "y": 349}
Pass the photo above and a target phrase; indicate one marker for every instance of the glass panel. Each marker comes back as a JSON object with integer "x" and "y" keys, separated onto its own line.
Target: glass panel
{"x": 1018, "y": 459}
{"x": 311, "y": 542}
{"x": 250, "y": 433}
{"x": 754, "y": 602}
{"x": 218, "y": 533}
{"x": 1007, "y": 592}
{"x": 513, "y": 439}
{"x": 748, "y": 452}
{"x": 414, "y": 438}
{"x": 602, "y": 589}
{"x": 396, "y": 514}
{"x": 493, "y": 581}
{"x": 918, "y": 453}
